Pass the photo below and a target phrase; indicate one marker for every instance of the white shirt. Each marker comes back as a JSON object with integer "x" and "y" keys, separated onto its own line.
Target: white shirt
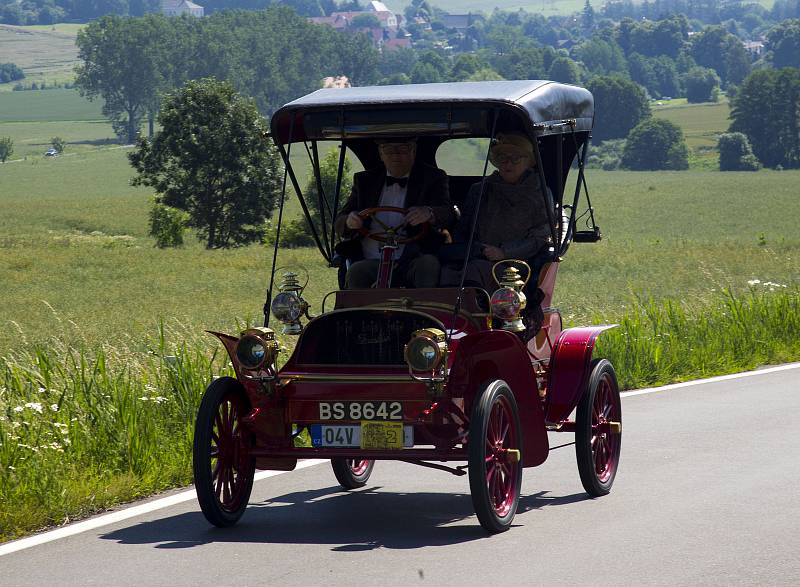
{"x": 394, "y": 196}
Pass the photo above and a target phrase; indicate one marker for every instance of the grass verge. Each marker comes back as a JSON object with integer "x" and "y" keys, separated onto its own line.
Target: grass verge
{"x": 109, "y": 424}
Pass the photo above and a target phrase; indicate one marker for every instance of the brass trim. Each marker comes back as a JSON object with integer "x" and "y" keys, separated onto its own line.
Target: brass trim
{"x": 344, "y": 378}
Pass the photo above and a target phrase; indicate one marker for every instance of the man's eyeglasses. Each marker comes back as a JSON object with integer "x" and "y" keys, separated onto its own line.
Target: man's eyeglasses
{"x": 513, "y": 159}
{"x": 396, "y": 149}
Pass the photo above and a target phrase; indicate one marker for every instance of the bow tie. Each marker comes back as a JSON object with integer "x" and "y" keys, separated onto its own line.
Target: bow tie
{"x": 401, "y": 181}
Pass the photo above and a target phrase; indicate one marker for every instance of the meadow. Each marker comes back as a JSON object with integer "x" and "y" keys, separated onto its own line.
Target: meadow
{"x": 103, "y": 357}
{"x": 47, "y": 54}
{"x": 701, "y": 124}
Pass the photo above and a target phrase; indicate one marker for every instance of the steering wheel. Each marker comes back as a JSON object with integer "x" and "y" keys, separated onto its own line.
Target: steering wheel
{"x": 390, "y": 233}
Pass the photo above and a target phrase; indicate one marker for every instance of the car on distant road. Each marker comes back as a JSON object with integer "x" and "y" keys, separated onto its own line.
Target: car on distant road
{"x": 51, "y": 152}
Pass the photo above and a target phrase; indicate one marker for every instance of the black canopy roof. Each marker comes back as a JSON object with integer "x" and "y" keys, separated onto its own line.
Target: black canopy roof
{"x": 459, "y": 108}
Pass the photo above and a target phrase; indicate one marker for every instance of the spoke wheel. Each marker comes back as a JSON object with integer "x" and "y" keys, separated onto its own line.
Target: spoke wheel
{"x": 495, "y": 463}
{"x": 352, "y": 473}
{"x": 598, "y": 432}
{"x": 223, "y": 467}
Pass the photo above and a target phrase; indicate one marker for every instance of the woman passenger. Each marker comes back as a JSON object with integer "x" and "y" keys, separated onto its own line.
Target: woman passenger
{"x": 512, "y": 220}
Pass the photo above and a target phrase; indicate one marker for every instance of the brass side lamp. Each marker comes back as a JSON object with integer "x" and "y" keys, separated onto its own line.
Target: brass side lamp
{"x": 509, "y": 301}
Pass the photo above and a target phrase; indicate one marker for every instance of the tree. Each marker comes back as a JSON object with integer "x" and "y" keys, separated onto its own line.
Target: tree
{"x": 58, "y": 144}
{"x": 775, "y": 138}
{"x": 655, "y": 144}
{"x": 125, "y": 62}
{"x": 211, "y": 160}
{"x": 619, "y": 105}
{"x": 564, "y": 70}
{"x": 735, "y": 153}
{"x": 365, "y": 21}
{"x": 6, "y": 148}
{"x": 721, "y": 51}
{"x": 601, "y": 56}
{"x": 702, "y": 85}
{"x": 783, "y": 44}
{"x": 430, "y": 68}
{"x": 10, "y": 72}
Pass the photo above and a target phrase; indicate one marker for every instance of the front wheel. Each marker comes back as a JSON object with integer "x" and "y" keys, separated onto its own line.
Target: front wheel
{"x": 352, "y": 473}
{"x": 495, "y": 457}
{"x": 223, "y": 468}
{"x": 598, "y": 430}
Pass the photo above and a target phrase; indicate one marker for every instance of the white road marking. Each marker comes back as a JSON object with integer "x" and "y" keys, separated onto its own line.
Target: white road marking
{"x": 131, "y": 512}
{"x": 711, "y": 380}
{"x": 190, "y": 494}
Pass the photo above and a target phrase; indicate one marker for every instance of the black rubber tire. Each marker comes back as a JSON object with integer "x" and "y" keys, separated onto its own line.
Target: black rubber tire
{"x": 489, "y": 396}
{"x": 598, "y": 484}
{"x": 345, "y": 475}
{"x": 236, "y": 464}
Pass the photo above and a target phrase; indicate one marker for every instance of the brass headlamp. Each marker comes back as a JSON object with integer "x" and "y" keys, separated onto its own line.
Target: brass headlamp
{"x": 508, "y": 301}
{"x": 288, "y": 306}
{"x": 426, "y": 350}
{"x": 256, "y": 348}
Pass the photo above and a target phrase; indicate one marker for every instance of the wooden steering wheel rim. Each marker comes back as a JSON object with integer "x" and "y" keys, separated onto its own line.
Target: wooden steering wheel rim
{"x": 377, "y": 236}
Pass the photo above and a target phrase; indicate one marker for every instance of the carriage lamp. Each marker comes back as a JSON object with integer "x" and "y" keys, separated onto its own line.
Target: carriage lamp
{"x": 508, "y": 301}
{"x": 256, "y": 347}
{"x": 288, "y": 306}
{"x": 426, "y": 350}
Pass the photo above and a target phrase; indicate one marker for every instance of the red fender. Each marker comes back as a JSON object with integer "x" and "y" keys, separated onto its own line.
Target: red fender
{"x": 569, "y": 370}
{"x": 498, "y": 354}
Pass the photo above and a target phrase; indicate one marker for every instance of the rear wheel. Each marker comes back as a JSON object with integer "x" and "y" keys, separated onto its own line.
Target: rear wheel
{"x": 598, "y": 431}
{"x": 352, "y": 473}
{"x": 223, "y": 468}
{"x": 495, "y": 457}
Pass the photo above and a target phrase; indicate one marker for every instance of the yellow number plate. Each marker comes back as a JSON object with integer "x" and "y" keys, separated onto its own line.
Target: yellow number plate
{"x": 381, "y": 434}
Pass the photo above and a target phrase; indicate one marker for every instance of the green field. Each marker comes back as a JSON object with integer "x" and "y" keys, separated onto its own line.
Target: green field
{"x": 702, "y": 124}
{"x": 45, "y": 53}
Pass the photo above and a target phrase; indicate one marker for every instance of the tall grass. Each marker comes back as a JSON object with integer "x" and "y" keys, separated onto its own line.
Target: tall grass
{"x": 667, "y": 341}
{"x": 82, "y": 428}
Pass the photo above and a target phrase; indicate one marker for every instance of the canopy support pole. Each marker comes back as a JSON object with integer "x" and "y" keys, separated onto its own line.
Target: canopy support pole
{"x": 286, "y": 167}
{"x": 457, "y": 307}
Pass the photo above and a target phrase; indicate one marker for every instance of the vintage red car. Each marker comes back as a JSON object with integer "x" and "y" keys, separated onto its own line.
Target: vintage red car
{"x": 439, "y": 377}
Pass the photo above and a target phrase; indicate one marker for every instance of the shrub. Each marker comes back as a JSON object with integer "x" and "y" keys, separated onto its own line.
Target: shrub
{"x": 167, "y": 225}
{"x": 58, "y": 144}
{"x": 735, "y": 153}
{"x": 606, "y": 155}
{"x": 294, "y": 234}
{"x": 702, "y": 85}
{"x": 655, "y": 144}
{"x": 6, "y": 148}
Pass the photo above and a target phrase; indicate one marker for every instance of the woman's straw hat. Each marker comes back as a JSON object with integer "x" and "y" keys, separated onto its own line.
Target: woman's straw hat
{"x": 511, "y": 144}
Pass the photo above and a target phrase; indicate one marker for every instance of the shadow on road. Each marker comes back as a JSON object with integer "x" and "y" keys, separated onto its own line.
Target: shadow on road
{"x": 348, "y": 521}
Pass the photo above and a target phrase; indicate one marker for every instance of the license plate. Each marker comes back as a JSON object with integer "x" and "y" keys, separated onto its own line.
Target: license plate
{"x": 360, "y": 411}
{"x": 367, "y": 435}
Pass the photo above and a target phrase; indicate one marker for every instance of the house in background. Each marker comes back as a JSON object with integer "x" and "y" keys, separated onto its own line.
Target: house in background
{"x": 181, "y": 7}
{"x": 389, "y": 22}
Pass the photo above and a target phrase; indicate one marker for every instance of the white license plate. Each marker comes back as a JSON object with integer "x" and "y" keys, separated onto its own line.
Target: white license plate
{"x": 348, "y": 436}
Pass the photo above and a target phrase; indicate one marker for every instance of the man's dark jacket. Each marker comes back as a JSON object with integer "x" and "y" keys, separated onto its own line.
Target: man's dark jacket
{"x": 427, "y": 186}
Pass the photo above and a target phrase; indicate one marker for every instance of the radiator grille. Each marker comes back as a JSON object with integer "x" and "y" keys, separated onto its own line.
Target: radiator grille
{"x": 360, "y": 337}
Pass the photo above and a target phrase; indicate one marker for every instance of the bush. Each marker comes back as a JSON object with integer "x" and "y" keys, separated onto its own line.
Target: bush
{"x": 6, "y": 148}
{"x": 606, "y": 155}
{"x": 702, "y": 85}
{"x": 9, "y": 72}
{"x": 735, "y": 153}
{"x": 167, "y": 225}
{"x": 58, "y": 144}
{"x": 655, "y": 144}
{"x": 294, "y": 234}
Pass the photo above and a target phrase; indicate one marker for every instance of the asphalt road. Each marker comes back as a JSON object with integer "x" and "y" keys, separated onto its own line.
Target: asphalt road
{"x": 707, "y": 493}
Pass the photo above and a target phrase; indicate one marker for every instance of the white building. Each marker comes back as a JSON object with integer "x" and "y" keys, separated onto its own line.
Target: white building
{"x": 181, "y": 7}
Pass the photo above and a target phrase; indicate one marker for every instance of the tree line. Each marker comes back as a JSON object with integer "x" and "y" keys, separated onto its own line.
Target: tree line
{"x": 272, "y": 55}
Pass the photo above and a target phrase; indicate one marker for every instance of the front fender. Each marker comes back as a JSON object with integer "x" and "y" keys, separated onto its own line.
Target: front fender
{"x": 497, "y": 354}
{"x": 569, "y": 370}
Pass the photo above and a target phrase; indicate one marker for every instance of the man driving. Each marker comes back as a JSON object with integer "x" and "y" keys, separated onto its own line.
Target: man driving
{"x": 422, "y": 190}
